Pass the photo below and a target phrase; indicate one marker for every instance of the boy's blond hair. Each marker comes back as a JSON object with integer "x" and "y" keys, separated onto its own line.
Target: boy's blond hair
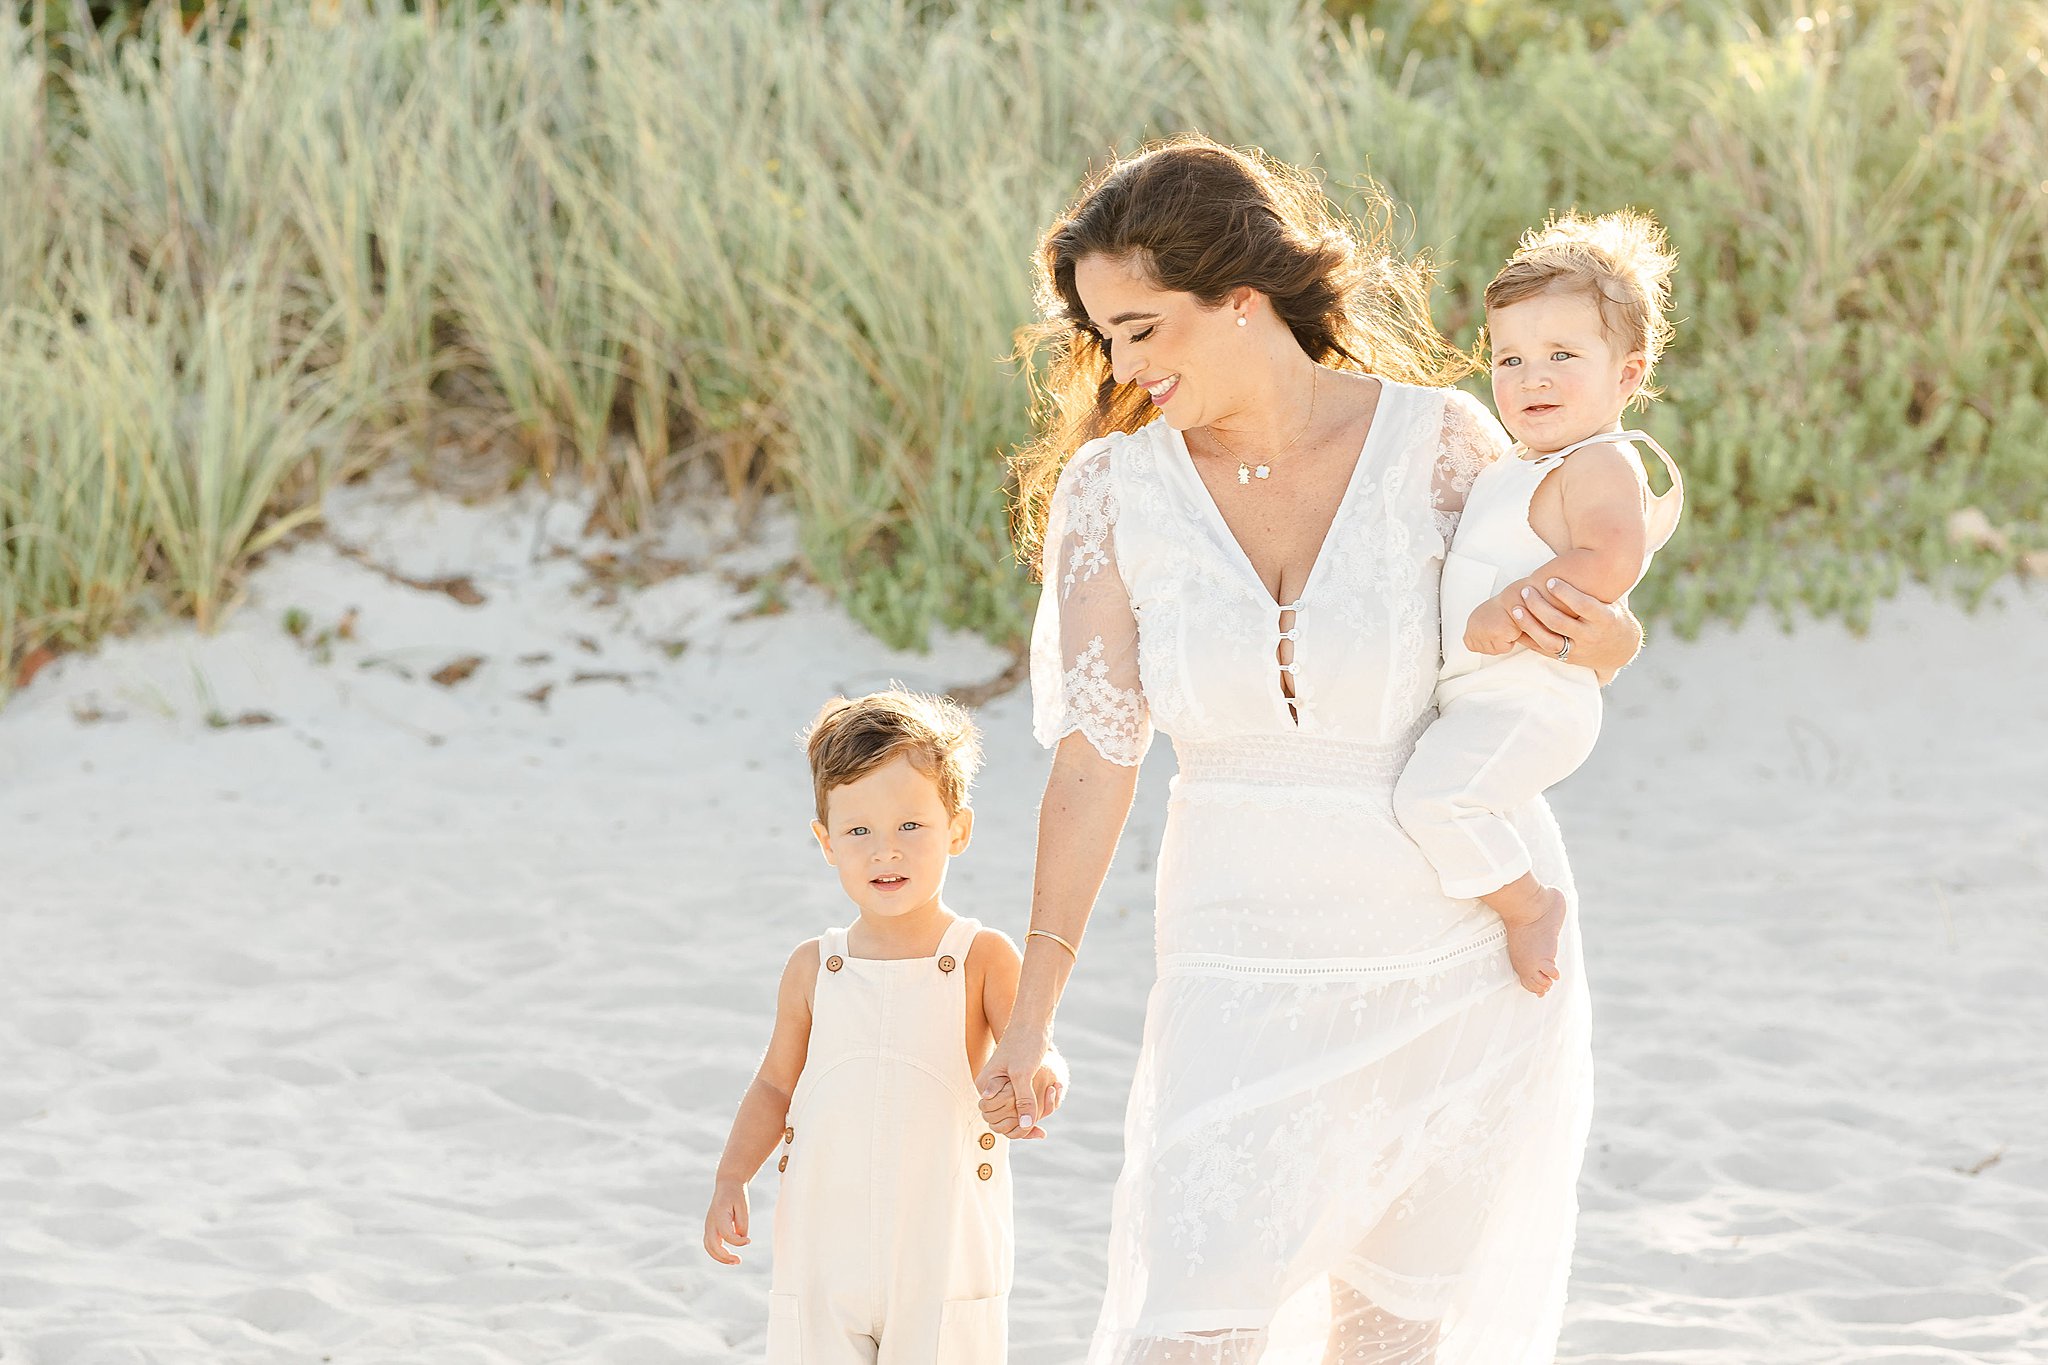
{"x": 1621, "y": 259}
{"x": 851, "y": 738}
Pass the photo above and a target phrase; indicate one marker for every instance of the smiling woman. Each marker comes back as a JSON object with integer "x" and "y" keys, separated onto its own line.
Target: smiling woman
{"x": 1175, "y": 233}
{"x": 1352, "y": 1135}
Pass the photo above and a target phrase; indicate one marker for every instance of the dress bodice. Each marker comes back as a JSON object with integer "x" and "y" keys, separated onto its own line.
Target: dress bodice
{"x": 1153, "y": 617}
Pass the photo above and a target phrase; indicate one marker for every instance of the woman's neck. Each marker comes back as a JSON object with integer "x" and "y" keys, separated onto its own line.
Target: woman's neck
{"x": 1278, "y": 406}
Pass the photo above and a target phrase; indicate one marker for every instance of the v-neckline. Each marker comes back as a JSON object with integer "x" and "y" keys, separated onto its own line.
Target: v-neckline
{"x": 1214, "y": 511}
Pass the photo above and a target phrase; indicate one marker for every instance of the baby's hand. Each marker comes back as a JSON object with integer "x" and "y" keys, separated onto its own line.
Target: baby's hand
{"x": 726, "y": 1222}
{"x": 1491, "y": 630}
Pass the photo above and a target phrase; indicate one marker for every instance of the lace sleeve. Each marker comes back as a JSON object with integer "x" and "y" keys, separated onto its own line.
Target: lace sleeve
{"x": 1084, "y": 642}
{"x": 1471, "y": 440}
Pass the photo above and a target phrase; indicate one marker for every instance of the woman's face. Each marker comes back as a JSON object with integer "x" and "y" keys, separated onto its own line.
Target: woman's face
{"x": 1190, "y": 357}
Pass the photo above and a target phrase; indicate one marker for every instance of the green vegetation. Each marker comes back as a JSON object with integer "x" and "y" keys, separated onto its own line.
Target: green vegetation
{"x": 241, "y": 256}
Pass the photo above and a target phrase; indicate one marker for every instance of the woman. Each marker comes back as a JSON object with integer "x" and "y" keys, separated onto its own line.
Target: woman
{"x": 1352, "y": 1135}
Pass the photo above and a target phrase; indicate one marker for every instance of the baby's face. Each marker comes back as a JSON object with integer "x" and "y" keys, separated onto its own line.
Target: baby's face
{"x": 889, "y": 836}
{"x": 1557, "y": 375}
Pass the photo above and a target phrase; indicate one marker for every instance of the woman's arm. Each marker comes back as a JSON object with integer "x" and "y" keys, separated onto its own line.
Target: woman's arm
{"x": 1000, "y": 964}
{"x": 1604, "y": 637}
{"x": 1087, "y": 799}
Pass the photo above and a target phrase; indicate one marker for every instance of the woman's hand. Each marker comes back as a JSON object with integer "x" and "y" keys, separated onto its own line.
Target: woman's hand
{"x": 1013, "y": 1085}
{"x": 1603, "y": 637}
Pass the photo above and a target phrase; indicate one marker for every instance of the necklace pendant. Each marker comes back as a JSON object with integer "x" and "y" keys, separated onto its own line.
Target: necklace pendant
{"x": 1263, "y": 471}
{"x": 1244, "y": 473}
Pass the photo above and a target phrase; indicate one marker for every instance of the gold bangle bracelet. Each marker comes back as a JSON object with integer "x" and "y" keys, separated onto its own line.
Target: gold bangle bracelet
{"x": 1047, "y": 933}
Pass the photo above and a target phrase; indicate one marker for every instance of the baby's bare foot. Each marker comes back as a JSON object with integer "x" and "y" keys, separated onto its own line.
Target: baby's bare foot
{"x": 1532, "y": 944}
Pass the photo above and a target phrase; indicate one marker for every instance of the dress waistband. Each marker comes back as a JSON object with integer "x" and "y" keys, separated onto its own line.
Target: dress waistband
{"x": 1281, "y": 762}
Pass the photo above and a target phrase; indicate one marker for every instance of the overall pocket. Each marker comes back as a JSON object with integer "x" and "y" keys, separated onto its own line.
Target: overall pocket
{"x": 785, "y": 1331}
{"x": 1467, "y": 582}
{"x": 975, "y": 1331}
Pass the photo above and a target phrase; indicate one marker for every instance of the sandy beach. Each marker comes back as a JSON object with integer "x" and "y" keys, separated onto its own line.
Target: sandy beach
{"x": 350, "y": 1015}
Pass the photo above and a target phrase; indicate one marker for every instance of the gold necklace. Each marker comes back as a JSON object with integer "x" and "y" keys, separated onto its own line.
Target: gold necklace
{"x": 1247, "y": 472}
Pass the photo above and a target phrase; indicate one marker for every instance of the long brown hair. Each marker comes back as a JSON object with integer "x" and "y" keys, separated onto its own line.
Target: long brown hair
{"x": 1205, "y": 219}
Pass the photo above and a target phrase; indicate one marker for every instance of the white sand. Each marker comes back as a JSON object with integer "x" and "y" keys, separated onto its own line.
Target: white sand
{"x": 407, "y": 1028}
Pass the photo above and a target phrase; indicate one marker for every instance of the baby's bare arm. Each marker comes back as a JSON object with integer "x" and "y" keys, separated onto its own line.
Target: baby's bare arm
{"x": 1603, "y": 516}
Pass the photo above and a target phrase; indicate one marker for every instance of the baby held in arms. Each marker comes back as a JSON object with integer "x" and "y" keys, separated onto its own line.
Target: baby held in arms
{"x": 1575, "y": 322}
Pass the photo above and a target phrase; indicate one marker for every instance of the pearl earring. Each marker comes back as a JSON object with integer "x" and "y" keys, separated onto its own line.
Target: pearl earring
{"x": 1240, "y": 320}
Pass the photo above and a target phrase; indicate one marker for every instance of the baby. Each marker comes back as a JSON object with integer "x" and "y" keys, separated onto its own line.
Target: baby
{"x": 892, "y": 1228}
{"x": 1575, "y": 321}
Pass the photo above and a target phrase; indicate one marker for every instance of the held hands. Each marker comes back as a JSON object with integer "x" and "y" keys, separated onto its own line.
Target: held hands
{"x": 1025, "y": 1081}
{"x": 726, "y": 1221}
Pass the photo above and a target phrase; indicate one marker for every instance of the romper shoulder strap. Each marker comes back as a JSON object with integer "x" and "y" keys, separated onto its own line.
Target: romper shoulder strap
{"x": 831, "y": 947}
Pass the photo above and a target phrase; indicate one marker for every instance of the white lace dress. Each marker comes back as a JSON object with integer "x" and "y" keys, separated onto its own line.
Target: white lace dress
{"x": 1348, "y": 1120}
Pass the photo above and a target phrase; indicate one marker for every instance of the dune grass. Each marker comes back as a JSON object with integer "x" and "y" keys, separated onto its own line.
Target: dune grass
{"x": 789, "y": 242}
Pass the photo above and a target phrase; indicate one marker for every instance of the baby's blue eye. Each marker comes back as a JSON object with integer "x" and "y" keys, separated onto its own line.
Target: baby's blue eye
{"x": 858, "y": 829}
{"x": 1503, "y": 363}
{"x": 912, "y": 824}
{"x": 1560, "y": 355}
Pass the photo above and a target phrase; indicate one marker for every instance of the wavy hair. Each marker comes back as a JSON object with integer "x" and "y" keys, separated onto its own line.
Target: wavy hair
{"x": 1205, "y": 219}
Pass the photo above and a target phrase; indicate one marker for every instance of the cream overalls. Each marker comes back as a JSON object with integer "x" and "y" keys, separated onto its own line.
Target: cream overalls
{"x": 892, "y": 1228}
{"x": 1510, "y": 725}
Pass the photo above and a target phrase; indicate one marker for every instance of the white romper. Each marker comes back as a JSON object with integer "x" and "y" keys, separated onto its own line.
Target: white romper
{"x": 1508, "y": 726}
{"x": 892, "y": 1227}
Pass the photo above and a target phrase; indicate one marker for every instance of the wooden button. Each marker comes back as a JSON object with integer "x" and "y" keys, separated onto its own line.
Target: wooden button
{"x": 947, "y": 964}
{"x": 788, "y": 1135}
{"x": 834, "y": 963}
{"x": 988, "y": 1142}
{"x": 985, "y": 1170}
{"x": 783, "y": 1164}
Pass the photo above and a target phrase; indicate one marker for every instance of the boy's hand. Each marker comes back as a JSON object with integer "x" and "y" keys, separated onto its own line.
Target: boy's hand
{"x": 1491, "y": 630}
{"x": 726, "y": 1222}
{"x": 1049, "y": 1084}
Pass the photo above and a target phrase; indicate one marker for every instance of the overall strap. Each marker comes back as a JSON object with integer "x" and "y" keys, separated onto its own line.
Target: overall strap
{"x": 955, "y": 942}
{"x": 831, "y": 948}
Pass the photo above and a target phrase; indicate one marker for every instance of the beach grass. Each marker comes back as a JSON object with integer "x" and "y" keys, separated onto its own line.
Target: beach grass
{"x": 788, "y": 243}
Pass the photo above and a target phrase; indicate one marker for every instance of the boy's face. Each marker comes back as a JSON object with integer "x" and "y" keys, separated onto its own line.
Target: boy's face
{"x": 889, "y": 836}
{"x": 1557, "y": 375}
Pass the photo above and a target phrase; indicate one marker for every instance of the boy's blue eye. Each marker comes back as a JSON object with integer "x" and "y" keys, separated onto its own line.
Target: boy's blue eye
{"x": 911, "y": 824}
{"x": 858, "y": 829}
{"x": 1560, "y": 355}
{"x": 1506, "y": 361}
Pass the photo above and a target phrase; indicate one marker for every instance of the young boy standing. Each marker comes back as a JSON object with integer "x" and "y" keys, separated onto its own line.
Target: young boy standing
{"x": 893, "y": 1225}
